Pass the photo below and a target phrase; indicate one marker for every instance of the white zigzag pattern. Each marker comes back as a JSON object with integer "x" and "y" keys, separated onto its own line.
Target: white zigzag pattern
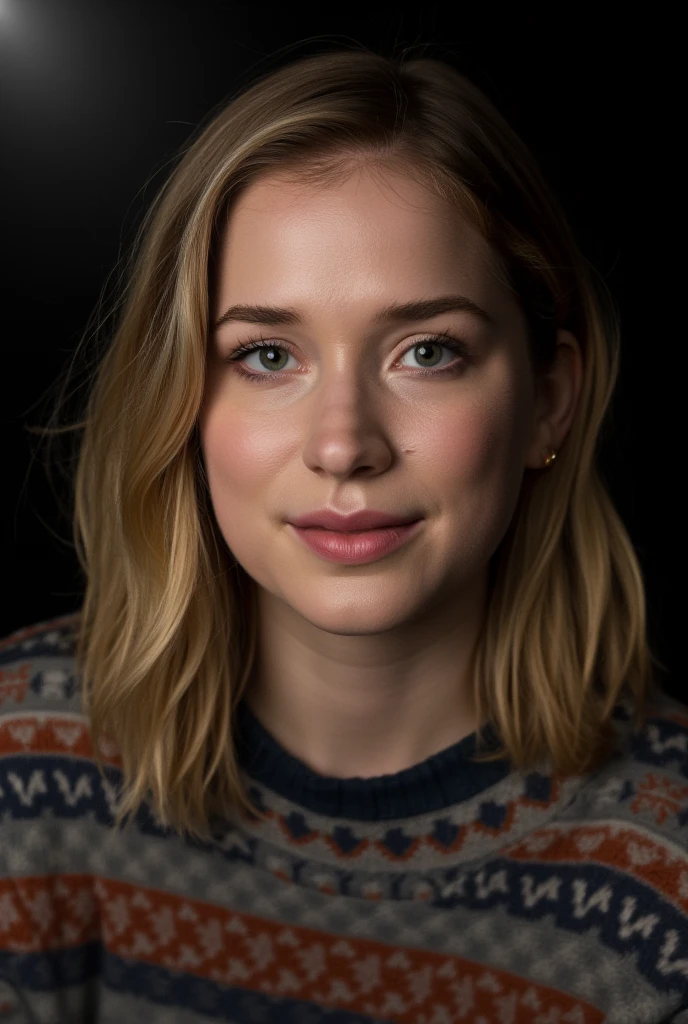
{"x": 582, "y": 904}
{"x": 35, "y": 784}
{"x": 645, "y": 925}
{"x": 664, "y": 964}
{"x": 82, "y": 787}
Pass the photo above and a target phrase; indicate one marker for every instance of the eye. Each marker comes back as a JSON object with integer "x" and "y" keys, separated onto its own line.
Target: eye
{"x": 271, "y": 357}
{"x": 429, "y": 352}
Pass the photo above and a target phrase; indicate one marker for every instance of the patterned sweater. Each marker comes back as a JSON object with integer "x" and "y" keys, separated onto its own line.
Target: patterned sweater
{"x": 447, "y": 892}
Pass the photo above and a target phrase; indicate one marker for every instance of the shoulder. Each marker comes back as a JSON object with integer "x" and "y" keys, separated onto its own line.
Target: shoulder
{"x": 645, "y": 783}
{"x": 661, "y": 743}
{"x": 38, "y": 662}
{"x": 613, "y": 861}
{"x": 47, "y": 758}
{"x": 631, "y": 819}
{"x": 38, "y": 681}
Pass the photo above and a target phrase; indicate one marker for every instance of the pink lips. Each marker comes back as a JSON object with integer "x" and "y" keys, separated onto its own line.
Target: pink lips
{"x": 356, "y": 548}
{"x": 366, "y": 519}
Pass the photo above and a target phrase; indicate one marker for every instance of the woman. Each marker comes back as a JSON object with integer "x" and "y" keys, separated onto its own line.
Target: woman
{"x": 362, "y": 658}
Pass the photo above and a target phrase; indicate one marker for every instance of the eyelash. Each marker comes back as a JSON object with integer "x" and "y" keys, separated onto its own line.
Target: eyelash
{"x": 256, "y": 377}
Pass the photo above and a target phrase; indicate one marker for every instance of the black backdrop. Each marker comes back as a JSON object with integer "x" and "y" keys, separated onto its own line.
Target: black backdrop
{"x": 96, "y": 97}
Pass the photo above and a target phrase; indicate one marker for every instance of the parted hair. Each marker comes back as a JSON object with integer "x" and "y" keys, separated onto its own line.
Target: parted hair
{"x": 166, "y": 633}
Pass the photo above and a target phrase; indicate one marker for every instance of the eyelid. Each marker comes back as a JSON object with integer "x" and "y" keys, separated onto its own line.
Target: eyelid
{"x": 255, "y": 343}
{"x": 448, "y": 341}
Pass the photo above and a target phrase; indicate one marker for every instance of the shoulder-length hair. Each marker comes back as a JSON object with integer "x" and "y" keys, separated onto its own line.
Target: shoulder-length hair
{"x": 166, "y": 634}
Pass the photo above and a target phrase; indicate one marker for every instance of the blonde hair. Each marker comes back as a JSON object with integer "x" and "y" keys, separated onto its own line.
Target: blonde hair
{"x": 166, "y": 635}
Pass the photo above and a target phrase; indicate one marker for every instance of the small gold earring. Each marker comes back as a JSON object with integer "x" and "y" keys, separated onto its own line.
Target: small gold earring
{"x": 550, "y": 456}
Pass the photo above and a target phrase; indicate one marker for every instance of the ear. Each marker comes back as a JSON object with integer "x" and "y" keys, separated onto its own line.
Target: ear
{"x": 556, "y": 400}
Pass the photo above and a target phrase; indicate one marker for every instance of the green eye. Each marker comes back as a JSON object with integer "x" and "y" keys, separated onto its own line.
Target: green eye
{"x": 274, "y": 363}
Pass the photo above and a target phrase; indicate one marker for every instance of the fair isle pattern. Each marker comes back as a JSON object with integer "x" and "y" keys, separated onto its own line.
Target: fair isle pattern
{"x": 537, "y": 901}
{"x": 169, "y": 931}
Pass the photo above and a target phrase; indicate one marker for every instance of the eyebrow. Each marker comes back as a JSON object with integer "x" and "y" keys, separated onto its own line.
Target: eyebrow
{"x": 395, "y": 312}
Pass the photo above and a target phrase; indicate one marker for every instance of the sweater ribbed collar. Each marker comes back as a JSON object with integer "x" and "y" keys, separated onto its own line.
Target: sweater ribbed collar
{"x": 440, "y": 781}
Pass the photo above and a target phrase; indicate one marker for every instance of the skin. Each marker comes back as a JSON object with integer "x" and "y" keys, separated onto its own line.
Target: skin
{"x": 361, "y": 670}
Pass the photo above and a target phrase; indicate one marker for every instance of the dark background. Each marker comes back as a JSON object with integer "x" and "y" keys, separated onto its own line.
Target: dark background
{"x": 97, "y": 97}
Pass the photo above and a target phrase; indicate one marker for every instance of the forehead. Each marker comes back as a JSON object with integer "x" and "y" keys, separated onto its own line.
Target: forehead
{"x": 369, "y": 206}
{"x": 360, "y": 240}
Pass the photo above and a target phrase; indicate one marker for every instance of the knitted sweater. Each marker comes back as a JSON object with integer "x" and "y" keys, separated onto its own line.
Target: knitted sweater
{"x": 451, "y": 891}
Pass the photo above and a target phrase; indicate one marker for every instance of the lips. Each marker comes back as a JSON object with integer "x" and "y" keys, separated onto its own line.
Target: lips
{"x": 366, "y": 519}
{"x": 358, "y": 547}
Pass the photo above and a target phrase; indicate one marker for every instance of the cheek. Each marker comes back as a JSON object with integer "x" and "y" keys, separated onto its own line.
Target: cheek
{"x": 478, "y": 440}
{"x": 242, "y": 462}
{"x": 232, "y": 453}
{"x": 473, "y": 461}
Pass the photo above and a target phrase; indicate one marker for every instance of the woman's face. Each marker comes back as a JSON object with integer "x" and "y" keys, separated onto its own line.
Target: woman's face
{"x": 350, "y": 411}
